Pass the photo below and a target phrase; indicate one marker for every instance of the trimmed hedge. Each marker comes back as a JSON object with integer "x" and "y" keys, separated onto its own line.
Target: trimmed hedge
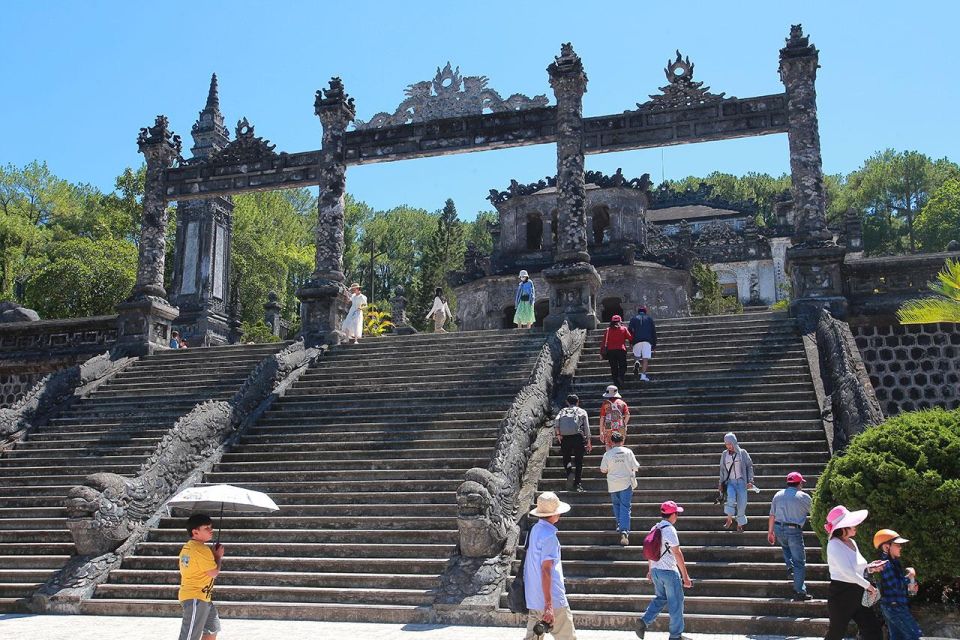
{"x": 906, "y": 471}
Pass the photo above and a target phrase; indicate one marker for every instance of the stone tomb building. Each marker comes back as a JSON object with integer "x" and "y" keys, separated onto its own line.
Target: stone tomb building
{"x": 642, "y": 244}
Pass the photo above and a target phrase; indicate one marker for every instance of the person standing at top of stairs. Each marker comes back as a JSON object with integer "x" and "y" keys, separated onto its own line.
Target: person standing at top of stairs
{"x": 525, "y": 316}
{"x": 616, "y": 341}
{"x": 353, "y": 323}
{"x": 644, "y": 332}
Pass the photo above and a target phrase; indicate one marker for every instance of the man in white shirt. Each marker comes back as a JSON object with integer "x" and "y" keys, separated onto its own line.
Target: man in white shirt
{"x": 666, "y": 574}
{"x": 621, "y": 466}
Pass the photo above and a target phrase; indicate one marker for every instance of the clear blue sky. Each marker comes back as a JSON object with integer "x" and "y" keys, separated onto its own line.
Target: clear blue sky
{"x": 80, "y": 78}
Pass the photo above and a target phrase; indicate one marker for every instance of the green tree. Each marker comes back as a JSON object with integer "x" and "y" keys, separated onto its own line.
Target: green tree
{"x": 82, "y": 277}
{"x": 273, "y": 250}
{"x": 398, "y": 237}
{"x": 945, "y": 307}
{"x": 906, "y": 471}
{"x": 442, "y": 254}
{"x": 889, "y": 190}
{"x": 709, "y": 299}
{"x": 478, "y": 231}
{"x": 939, "y": 220}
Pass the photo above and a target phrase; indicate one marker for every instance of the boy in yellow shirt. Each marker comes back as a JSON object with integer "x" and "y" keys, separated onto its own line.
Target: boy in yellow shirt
{"x": 199, "y": 566}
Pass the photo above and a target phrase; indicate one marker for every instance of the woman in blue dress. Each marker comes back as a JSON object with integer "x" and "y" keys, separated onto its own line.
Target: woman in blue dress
{"x": 524, "y": 316}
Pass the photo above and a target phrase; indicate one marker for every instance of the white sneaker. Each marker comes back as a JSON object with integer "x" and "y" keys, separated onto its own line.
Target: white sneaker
{"x": 644, "y": 378}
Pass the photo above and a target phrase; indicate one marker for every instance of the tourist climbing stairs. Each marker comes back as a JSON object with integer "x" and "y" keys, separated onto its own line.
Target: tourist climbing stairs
{"x": 747, "y": 374}
{"x": 114, "y": 429}
{"x": 363, "y": 455}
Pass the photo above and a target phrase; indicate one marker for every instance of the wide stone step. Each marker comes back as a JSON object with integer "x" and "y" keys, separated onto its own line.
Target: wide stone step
{"x": 40, "y": 535}
{"x": 698, "y": 530}
{"x": 669, "y": 472}
{"x": 146, "y": 388}
{"x": 813, "y": 624}
{"x": 670, "y": 484}
{"x": 285, "y": 579}
{"x": 371, "y": 464}
{"x": 348, "y": 451}
{"x": 24, "y": 576}
{"x": 20, "y": 473}
{"x": 33, "y": 548}
{"x": 769, "y": 571}
{"x": 264, "y": 610}
{"x": 437, "y": 420}
{"x": 712, "y": 432}
{"x": 347, "y": 485}
{"x": 638, "y": 442}
{"x": 778, "y": 588}
{"x": 757, "y": 606}
{"x": 478, "y": 356}
{"x": 307, "y": 565}
{"x": 369, "y": 550}
{"x": 276, "y": 593}
{"x": 373, "y": 432}
{"x": 440, "y": 410}
{"x": 463, "y": 401}
{"x": 74, "y": 461}
{"x": 28, "y": 508}
{"x": 691, "y": 552}
{"x": 24, "y": 561}
{"x": 592, "y": 460}
{"x": 383, "y": 475}
{"x": 320, "y": 536}
{"x": 65, "y": 453}
{"x": 132, "y": 437}
{"x": 17, "y": 589}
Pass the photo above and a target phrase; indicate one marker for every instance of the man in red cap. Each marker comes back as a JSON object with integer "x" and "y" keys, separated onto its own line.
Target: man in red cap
{"x": 616, "y": 341}
{"x": 789, "y": 511}
{"x": 669, "y": 575}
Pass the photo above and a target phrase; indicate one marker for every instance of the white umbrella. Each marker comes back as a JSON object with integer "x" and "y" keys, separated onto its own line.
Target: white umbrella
{"x": 223, "y": 497}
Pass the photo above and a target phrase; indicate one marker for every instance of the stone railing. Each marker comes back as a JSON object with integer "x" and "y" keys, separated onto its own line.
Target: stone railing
{"x": 847, "y": 399}
{"x": 878, "y": 286}
{"x": 489, "y": 500}
{"x": 31, "y": 350}
{"x": 56, "y": 392}
{"x": 108, "y": 515}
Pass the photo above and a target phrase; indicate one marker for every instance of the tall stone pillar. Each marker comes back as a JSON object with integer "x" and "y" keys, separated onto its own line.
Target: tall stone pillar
{"x": 814, "y": 262}
{"x": 146, "y": 316}
{"x": 323, "y": 297}
{"x": 201, "y": 265}
{"x": 574, "y": 282}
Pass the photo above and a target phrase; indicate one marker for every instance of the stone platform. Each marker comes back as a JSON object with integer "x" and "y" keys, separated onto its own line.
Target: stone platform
{"x": 99, "y": 627}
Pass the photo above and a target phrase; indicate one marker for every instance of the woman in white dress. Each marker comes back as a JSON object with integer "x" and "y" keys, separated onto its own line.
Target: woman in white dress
{"x": 353, "y": 324}
{"x": 439, "y": 312}
{"x": 847, "y": 581}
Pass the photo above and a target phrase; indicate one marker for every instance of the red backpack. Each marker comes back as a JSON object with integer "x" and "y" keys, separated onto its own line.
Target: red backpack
{"x": 652, "y": 543}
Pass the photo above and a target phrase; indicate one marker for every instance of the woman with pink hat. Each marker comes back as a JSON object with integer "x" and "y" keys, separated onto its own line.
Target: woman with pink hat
{"x": 845, "y": 601}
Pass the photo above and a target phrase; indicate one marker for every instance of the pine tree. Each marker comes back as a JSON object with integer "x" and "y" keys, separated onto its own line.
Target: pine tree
{"x": 442, "y": 254}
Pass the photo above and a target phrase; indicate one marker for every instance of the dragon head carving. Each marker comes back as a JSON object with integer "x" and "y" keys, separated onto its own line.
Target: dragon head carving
{"x": 102, "y": 512}
{"x": 484, "y": 526}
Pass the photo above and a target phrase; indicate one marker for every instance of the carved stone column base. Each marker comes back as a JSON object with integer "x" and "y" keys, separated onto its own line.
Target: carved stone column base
{"x": 573, "y": 296}
{"x": 144, "y": 325}
{"x": 323, "y": 304}
{"x": 817, "y": 279}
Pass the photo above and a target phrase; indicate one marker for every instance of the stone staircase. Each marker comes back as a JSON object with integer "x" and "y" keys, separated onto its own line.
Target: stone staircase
{"x": 746, "y": 374}
{"x": 363, "y": 456}
{"x": 114, "y": 429}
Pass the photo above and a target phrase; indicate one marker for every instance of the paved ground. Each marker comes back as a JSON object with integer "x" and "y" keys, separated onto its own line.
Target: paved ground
{"x": 104, "y": 627}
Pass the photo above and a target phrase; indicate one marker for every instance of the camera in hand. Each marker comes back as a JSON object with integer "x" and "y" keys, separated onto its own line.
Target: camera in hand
{"x": 542, "y": 627}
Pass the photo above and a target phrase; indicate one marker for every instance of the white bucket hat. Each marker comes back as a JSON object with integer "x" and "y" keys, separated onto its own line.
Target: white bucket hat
{"x": 548, "y": 504}
{"x": 524, "y": 274}
{"x": 612, "y": 392}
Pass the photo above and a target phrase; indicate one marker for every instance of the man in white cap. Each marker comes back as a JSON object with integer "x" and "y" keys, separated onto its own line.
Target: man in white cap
{"x": 543, "y": 573}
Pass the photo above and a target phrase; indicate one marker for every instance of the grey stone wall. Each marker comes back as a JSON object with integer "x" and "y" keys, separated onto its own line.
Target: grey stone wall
{"x": 912, "y": 366}
{"x": 14, "y": 386}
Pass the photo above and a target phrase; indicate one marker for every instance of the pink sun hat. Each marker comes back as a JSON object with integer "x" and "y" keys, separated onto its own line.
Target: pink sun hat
{"x": 840, "y": 517}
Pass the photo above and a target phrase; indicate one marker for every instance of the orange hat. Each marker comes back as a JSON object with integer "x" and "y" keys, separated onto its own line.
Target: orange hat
{"x": 887, "y": 535}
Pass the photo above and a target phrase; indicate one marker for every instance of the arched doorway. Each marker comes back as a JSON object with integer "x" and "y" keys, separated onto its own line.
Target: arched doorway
{"x": 610, "y": 307}
{"x": 507, "y": 320}
{"x": 534, "y": 232}
{"x": 601, "y": 225}
{"x": 541, "y": 310}
{"x": 728, "y": 284}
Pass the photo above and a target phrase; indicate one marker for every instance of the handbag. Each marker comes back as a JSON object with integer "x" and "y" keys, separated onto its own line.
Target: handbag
{"x": 721, "y": 492}
{"x": 870, "y": 599}
{"x": 516, "y": 592}
{"x": 603, "y": 347}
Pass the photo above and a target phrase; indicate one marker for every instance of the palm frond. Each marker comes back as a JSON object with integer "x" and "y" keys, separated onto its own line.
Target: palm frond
{"x": 949, "y": 280}
{"x": 929, "y": 310}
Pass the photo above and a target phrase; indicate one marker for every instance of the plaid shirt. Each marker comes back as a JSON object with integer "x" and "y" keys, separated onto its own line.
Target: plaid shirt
{"x": 893, "y": 582}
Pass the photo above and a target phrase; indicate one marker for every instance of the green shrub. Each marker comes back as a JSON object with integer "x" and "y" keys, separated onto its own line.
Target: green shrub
{"x": 906, "y": 471}
{"x": 258, "y": 332}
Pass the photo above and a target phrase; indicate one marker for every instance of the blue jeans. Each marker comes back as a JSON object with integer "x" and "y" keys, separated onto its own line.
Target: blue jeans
{"x": 737, "y": 500}
{"x": 794, "y": 555}
{"x": 667, "y": 592}
{"x": 621, "y": 508}
{"x": 900, "y": 622}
